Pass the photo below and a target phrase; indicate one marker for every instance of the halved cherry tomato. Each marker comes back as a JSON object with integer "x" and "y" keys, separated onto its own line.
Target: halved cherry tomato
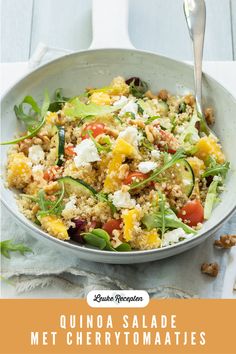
{"x": 69, "y": 151}
{"x": 95, "y": 128}
{"x": 134, "y": 175}
{"x": 50, "y": 174}
{"x": 111, "y": 225}
{"x": 192, "y": 212}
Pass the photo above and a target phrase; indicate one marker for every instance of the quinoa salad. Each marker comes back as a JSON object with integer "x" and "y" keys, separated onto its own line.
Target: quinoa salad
{"x": 118, "y": 168}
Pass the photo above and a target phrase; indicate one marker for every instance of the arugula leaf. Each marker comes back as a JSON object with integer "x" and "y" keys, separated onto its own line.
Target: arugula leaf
{"x": 77, "y": 109}
{"x": 100, "y": 147}
{"x": 179, "y": 155}
{"x": 215, "y": 168}
{"x": 155, "y": 220}
{"x": 146, "y": 143}
{"x": 8, "y": 246}
{"x": 182, "y": 107}
{"x": 30, "y": 135}
{"x": 102, "y": 197}
{"x": 33, "y": 121}
{"x": 48, "y": 207}
{"x": 32, "y": 117}
{"x": 59, "y": 101}
{"x": 151, "y": 119}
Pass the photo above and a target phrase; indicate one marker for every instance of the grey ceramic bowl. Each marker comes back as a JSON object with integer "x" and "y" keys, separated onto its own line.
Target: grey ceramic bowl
{"x": 98, "y": 67}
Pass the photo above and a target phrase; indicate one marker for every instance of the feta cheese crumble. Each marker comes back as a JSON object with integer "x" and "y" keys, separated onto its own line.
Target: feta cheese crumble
{"x": 36, "y": 154}
{"x": 120, "y": 101}
{"x": 147, "y": 166}
{"x": 130, "y": 135}
{"x": 86, "y": 152}
{"x": 130, "y": 107}
{"x": 123, "y": 200}
{"x": 71, "y": 204}
{"x": 173, "y": 236}
{"x": 155, "y": 154}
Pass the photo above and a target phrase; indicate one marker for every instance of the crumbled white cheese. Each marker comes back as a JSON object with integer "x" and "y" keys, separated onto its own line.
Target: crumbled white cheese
{"x": 180, "y": 129}
{"x": 71, "y": 204}
{"x": 131, "y": 135}
{"x": 36, "y": 154}
{"x": 130, "y": 107}
{"x": 37, "y": 172}
{"x": 147, "y": 166}
{"x": 37, "y": 168}
{"x": 86, "y": 152}
{"x": 173, "y": 236}
{"x": 122, "y": 200}
{"x": 155, "y": 154}
{"x": 120, "y": 101}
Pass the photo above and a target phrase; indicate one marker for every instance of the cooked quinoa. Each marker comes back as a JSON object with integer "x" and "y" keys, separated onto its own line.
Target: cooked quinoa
{"x": 118, "y": 168}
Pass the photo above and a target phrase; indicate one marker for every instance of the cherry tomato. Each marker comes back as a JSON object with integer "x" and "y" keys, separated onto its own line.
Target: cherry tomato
{"x": 50, "y": 174}
{"x": 69, "y": 151}
{"x": 192, "y": 212}
{"x": 134, "y": 175}
{"x": 95, "y": 128}
{"x": 111, "y": 225}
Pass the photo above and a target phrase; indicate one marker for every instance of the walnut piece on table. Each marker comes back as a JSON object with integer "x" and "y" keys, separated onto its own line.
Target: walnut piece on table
{"x": 211, "y": 269}
{"x": 226, "y": 241}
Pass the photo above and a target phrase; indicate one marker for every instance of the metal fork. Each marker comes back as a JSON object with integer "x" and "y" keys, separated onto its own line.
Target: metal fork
{"x": 195, "y": 14}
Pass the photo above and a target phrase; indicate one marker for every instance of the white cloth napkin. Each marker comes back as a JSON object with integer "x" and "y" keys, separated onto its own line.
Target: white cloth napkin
{"x": 178, "y": 276}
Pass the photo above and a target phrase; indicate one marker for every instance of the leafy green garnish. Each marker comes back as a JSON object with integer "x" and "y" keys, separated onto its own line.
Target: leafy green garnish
{"x": 211, "y": 197}
{"x": 77, "y": 109}
{"x": 59, "y": 101}
{"x": 140, "y": 109}
{"x": 30, "y": 118}
{"x": 100, "y": 238}
{"x": 146, "y": 143}
{"x": 8, "y": 246}
{"x": 138, "y": 87}
{"x": 182, "y": 107}
{"x": 179, "y": 155}
{"x": 151, "y": 119}
{"x": 168, "y": 218}
{"x": 106, "y": 147}
{"x": 33, "y": 120}
{"x": 123, "y": 247}
{"x": 47, "y": 206}
{"x": 30, "y": 135}
{"x": 102, "y": 197}
{"x": 216, "y": 169}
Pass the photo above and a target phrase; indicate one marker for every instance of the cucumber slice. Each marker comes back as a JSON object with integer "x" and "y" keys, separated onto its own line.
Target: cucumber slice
{"x": 185, "y": 176}
{"x": 77, "y": 187}
{"x": 60, "y": 145}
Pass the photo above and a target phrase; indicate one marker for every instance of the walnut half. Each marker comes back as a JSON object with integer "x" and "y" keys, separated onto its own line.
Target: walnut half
{"x": 226, "y": 241}
{"x": 211, "y": 269}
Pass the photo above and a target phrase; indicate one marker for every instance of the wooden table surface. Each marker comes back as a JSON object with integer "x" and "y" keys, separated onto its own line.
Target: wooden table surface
{"x": 154, "y": 25}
